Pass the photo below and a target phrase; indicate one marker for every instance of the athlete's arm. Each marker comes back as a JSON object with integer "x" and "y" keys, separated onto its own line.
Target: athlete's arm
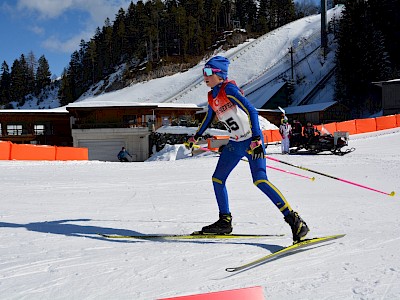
{"x": 206, "y": 122}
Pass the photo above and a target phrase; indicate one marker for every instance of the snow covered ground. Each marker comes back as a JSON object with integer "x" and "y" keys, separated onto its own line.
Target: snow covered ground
{"x": 51, "y": 211}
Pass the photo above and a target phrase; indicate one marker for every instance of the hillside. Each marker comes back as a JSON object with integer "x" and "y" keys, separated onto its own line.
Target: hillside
{"x": 252, "y": 63}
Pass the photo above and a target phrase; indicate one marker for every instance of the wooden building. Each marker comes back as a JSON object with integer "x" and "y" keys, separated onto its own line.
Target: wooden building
{"x": 104, "y": 130}
{"x": 43, "y": 127}
{"x": 321, "y": 113}
{"x": 390, "y": 96}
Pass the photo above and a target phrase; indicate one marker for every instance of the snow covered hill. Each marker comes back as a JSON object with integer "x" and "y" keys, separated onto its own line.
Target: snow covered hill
{"x": 263, "y": 62}
{"x": 51, "y": 211}
{"x": 251, "y": 63}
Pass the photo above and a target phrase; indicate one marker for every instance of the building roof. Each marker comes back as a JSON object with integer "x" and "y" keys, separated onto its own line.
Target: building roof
{"x": 309, "y": 108}
{"x": 58, "y": 110}
{"x": 116, "y": 104}
{"x": 261, "y": 95}
{"x": 380, "y": 83}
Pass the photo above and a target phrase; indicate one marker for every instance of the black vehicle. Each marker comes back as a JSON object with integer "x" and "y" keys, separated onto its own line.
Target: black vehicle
{"x": 322, "y": 142}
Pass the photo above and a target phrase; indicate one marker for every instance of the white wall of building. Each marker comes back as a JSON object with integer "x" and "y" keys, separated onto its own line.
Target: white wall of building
{"x": 105, "y": 143}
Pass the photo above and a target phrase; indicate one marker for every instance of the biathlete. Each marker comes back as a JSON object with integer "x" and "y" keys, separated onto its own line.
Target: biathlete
{"x": 226, "y": 101}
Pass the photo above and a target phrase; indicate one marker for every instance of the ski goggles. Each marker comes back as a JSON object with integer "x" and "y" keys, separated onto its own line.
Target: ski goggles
{"x": 210, "y": 71}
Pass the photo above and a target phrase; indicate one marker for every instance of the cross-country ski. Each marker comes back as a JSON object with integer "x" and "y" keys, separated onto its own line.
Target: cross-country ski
{"x": 285, "y": 250}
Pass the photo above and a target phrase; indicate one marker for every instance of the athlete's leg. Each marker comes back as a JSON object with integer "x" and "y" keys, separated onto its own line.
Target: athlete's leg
{"x": 260, "y": 179}
{"x": 227, "y": 162}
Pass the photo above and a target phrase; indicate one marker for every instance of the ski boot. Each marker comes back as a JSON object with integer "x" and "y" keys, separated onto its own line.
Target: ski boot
{"x": 299, "y": 227}
{"x": 222, "y": 226}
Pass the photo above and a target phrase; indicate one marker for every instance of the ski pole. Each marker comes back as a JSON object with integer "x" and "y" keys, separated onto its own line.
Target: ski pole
{"x": 274, "y": 168}
{"x": 330, "y": 176}
{"x": 292, "y": 173}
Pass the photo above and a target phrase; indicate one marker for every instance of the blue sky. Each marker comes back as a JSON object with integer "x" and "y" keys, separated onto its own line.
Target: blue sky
{"x": 53, "y": 28}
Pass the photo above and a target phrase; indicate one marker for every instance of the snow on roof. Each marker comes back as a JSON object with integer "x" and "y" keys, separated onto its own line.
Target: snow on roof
{"x": 380, "y": 83}
{"x": 57, "y": 110}
{"x": 88, "y": 104}
{"x": 261, "y": 96}
{"x": 308, "y": 108}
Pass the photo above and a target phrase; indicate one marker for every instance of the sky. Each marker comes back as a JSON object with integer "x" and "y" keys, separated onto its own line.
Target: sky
{"x": 50, "y": 248}
{"x": 53, "y": 28}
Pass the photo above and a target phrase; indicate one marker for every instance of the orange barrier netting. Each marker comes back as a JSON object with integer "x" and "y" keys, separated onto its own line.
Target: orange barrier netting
{"x": 275, "y": 135}
{"x": 5, "y": 150}
{"x": 267, "y": 136}
{"x": 385, "y": 122}
{"x": 71, "y": 153}
{"x": 32, "y": 152}
{"x": 353, "y": 126}
{"x": 349, "y": 126}
{"x": 331, "y": 127}
{"x": 10, "y": 151}
{"x": 365, "y": 125}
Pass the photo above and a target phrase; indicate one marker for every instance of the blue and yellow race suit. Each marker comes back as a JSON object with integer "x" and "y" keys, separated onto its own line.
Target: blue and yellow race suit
{"x": 227, "y": 102}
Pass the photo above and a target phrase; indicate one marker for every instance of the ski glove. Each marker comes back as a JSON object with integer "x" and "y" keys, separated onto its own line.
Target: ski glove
{"x": 256, "y": 148}
{"x": 191, "y": 142}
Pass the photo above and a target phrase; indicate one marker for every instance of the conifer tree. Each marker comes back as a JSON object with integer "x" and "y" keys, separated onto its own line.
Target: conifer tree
{"x": 43, "y": 74}
{"x": 5, "y": 83}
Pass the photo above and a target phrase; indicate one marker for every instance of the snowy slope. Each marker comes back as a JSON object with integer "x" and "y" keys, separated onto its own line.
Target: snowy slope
{"x": 51, "y": 211}
{"x": 251, "y": 63}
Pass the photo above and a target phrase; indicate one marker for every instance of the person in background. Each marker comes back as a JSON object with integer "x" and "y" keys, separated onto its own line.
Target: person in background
{"x": 308, "y": 132}
{"x": 123, "y": 155}
{"x": 296, "y": 139}
{"x": 227, "y": 102}
{"x": 285, "y": 129}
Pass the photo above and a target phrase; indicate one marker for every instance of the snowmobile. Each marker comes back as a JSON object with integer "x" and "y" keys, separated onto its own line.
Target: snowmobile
{"x": 323, "y": 142}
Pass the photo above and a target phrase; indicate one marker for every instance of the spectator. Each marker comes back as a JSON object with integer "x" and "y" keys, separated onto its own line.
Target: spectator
{"x": 123, "y": 155}
{"x": 285, "y": 130}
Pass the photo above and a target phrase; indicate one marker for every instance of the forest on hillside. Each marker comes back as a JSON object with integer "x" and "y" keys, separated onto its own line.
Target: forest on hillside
{"x": 156, "y": 38}
{"x": 368, "y": 51}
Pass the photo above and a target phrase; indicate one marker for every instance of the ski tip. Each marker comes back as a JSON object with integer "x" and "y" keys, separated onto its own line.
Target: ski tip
{"x": 327, "y": 237}
{"x": 312, "y": 178}
{"x": 392, "y": 194}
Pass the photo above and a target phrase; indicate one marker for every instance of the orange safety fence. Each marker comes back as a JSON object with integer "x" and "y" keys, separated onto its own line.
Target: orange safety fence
{"x": 32, "y": 152}
{"x": 331, "y": 127}
{"x": 71, "y": 153}
{"x": 267, "y": 136}
{"x": 5, "y": 150}
{"x": 275, "y": 135}
{"x": 10, "y": 151}
{"x": 216, "y": 141}
{"x": 365, "y": 125}
{"x": 385, "y": 122}
{"x": 349, "y": 126}
{"x": 353, "y": 126}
